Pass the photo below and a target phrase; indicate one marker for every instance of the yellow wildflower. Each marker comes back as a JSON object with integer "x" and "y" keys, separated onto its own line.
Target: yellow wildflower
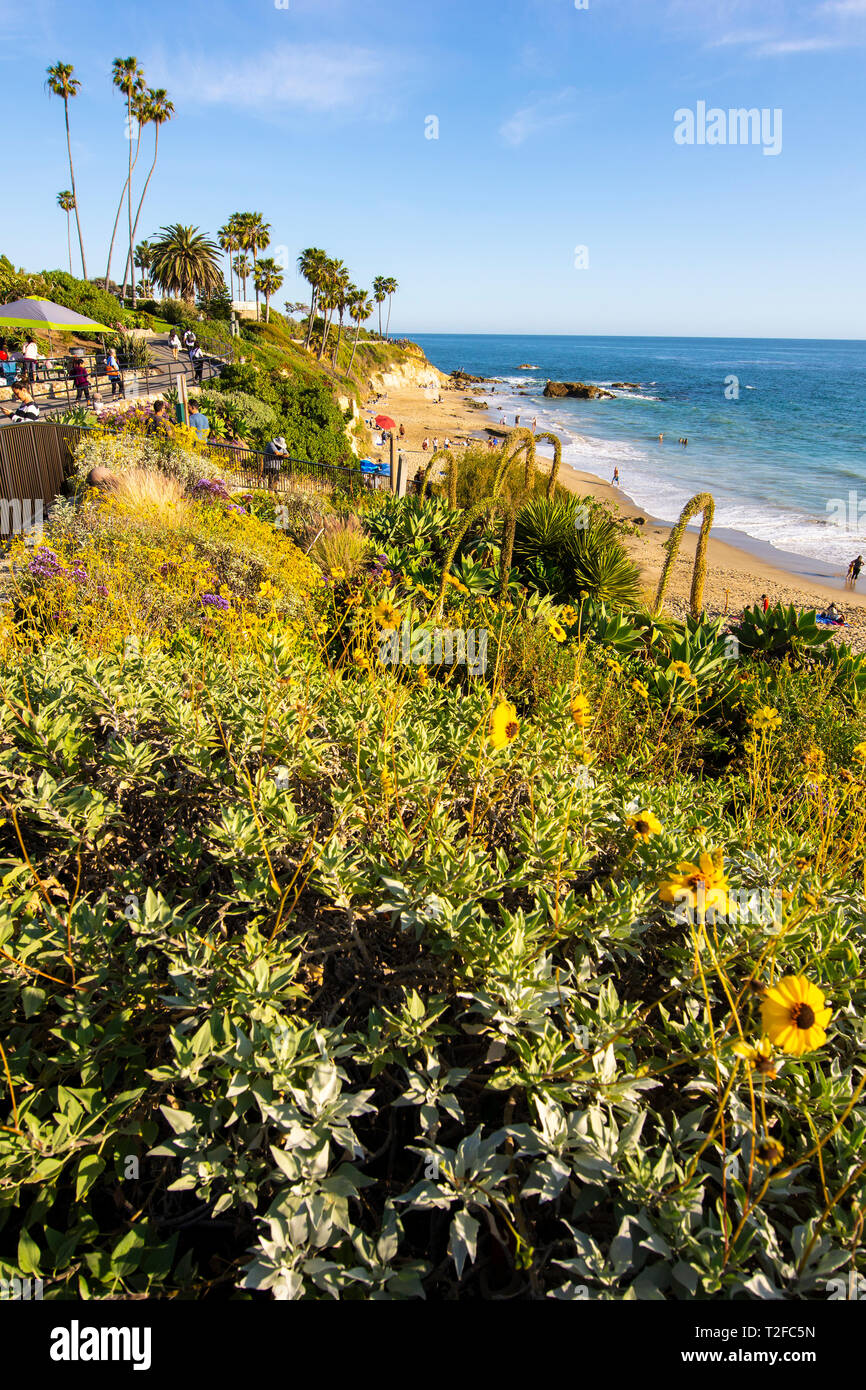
{"x": 503, "y": 724}
{"x": 684, "y": 671}
{"x": 644, "y": 824}
{"x": 580, "y": 710}
{"x": 759, "y": 1058}
{"x": 769, "y": 1151}
{"x": 765, "y": 719}
{"x": 555, "y": 630}
{"x": 386, "y": 614}
{"x": 794, "y": 1015}
{"x": 569, "y": 615}
{"x": 640, "y": 689}
{"x": 859, "y": 752}
{"x": 338, "y": 573}
{"x": 702, "y": 885}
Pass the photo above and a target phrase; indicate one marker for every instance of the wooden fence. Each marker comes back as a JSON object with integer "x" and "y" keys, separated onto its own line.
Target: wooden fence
{"x": 34, "y": 461}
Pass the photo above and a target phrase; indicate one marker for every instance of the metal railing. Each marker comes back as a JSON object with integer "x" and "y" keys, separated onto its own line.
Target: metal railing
{"x": 248, "y": 468}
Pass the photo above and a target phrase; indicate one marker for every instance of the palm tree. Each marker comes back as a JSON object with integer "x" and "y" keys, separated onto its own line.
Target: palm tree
{"x": 360, "y": 309}
{"x": 128, "y": 78}
{"x": 255, "y": 237}
{"x": 66, "y": 201}
{"x": 334, "y": 274}
{"x": 155, "y": 109}
{"x": 229, "y": 241}
{"x": 143, "y": 258}
{"x": 391, "y": 287}
{"x": 310, "y": 264}
{"x": 242, "y": 267}
{"x": 380, "y": 294}
{"x": 63, "y": 83}
{"x": 344, "y": 290}
{"x": 185, "y": 260}
{"x": 267, "y": 278}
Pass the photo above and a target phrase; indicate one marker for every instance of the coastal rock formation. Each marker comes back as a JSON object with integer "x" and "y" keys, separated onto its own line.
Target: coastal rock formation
{"x": 627, "y": 385}
{"x": 581, "y": 390}
{"x": 527, "y": 367}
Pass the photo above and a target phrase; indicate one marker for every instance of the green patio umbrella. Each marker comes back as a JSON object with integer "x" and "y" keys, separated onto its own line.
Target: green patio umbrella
{"x": 38, "y": 312}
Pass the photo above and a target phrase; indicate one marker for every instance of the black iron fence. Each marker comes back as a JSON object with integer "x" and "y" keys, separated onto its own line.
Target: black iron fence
{"x": 252, "y": 469}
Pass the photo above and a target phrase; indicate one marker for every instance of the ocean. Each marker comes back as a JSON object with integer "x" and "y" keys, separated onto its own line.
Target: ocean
{"x": 776, "y": 427}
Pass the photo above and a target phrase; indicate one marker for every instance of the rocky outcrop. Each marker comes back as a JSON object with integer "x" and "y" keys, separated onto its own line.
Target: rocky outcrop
{"x": 580, "y": 390}
{"x": 402, "y": 374}
{"x": 627, "y": 385}
{"x": 527, "y": 367}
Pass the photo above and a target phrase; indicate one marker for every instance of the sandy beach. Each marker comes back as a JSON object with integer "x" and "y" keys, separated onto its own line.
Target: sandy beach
{"x": 736, "y": 577}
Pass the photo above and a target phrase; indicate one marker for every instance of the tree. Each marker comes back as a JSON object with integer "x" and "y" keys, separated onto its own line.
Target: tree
{"x": 127, "y": 77}
{"x": 344, "y": 290}
{"x": 185, "y": 260}
{"x": 336, "y": 277}
{"x": 156, "y": 109}
{"x": 229, "y": 241}
{"x": 380, "y": 294}
{"x": 242, "y": 267}
{"x": 143, "y": 258}
{"x": 391, "y": 287}
{"x": 360, "y": 309}
{"x": 255, "y": 235}
{"x": 267, "y": 278}
{"x": 63, "y": 83}
{"x": 311, "y": 264}
{"x": 66, "y": 201}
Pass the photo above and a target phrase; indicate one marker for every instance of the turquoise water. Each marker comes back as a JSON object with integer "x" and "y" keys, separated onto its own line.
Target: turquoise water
{"x": 783, "y": 453}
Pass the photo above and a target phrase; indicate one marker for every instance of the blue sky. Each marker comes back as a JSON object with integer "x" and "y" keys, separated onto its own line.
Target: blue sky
{"x": 556, "y": 131}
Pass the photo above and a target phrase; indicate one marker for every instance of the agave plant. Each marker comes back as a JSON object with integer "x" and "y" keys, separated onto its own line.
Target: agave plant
{"x": 780, "y": 632}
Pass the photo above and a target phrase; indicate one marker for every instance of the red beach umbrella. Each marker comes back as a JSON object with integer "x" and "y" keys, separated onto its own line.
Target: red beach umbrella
{"x": 384, "y": 422}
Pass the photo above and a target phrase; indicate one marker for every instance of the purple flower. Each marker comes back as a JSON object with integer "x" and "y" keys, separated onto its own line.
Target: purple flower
{"x": 214, "y": 601}
{"x": 102, "y": 591}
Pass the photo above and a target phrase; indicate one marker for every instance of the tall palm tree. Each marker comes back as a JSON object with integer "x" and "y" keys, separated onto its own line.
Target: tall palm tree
{"x": 360, "y": 309}
{"x": 380, "y": 294}
{"x": 267, "y": 278}
{"x": 155, "y": 109}
{"x": 143, "y": 258}
{"x": 229, "y": 241}
{"x": 128, "y": 78}
{"x": 391, "y": 287}
{"x": 344, "y": 290}
{"x": 255, "y": 236}
{"x": 63, "y": 83}
{"x": 185, "y": 260}
{"x": 310, "y": 264}
{"x": 66, "y": 201}
{"x": 335, "y": 274}
{"x": 242, "y": 267}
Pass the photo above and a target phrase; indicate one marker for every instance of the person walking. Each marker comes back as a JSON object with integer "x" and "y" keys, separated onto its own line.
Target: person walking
{"x": 196, "y": 357}
{"x": 189, "y": 342}
{"x": 112, "y": 371}
{"x": 615, "y": 478}
{"x": 174, "y": 343}
{"x": 854, "y": 570}
{"x": 275, "y": 452}
{"x": 81, "y": 381}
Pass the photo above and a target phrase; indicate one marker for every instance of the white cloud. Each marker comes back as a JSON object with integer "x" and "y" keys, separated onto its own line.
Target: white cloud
{"x": 813, "y": 45}
{"x": 540, "y": 115}
{"x": 307, "y": 77}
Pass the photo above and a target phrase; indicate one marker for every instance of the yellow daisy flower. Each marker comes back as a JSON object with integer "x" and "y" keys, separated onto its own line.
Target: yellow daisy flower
{"x": 580, "y": 711}
{"x": 769, "y": 1151}
{"x": 555, "y": 630}
{"x": 684, "y": 671}
{"x": 386, "y": 614}
{"x": 766, "y": 719}
{"x": 859, "y": 751}
{"x": 794, "y": 1015}
{"x": 421, "y": 676}
{"x": 759, "y": 1058}
{"x": 640, "y": 689}
{"x": 701, "y": 885}
{"x": 503, "y": 724}
{"x": 644, "y": 824}
{"x": 569, "y": 615}
{"x": 338, "y": 573}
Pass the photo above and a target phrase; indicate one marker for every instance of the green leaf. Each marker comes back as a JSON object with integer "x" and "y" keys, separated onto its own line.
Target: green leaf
{"x": 89, "y": 1168}
{"x": 29, "y": 1254}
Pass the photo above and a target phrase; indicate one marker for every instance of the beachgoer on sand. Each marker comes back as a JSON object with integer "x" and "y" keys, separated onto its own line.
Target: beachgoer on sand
{"x": 854, "y": 570}
{"x": 765, "y": 603}
{"x": 615, "y": 478}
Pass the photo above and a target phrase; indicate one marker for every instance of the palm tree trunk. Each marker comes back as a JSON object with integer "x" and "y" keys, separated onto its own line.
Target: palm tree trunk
{"x": 69, "y": 238}
{"x": 325, "y": 330}
{"x": 337, "y": 348}
{"x": 117, "y": 219}
{"x": 380, "y": 318}
{"x": 143, "y": 191}
{"x": 72, "y": 177}
{"x": 388, "y": 321}
{"x": 255, "y": 286}
{"x": 354, "y": 350}
{"x": 129, "y": 194}
{"x": 312, "y": 316}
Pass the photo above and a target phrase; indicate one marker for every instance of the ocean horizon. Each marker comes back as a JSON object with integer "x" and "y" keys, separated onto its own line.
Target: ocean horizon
{"x": 776, "y": 427}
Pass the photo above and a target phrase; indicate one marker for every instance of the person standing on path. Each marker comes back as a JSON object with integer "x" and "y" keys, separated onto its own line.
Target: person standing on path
{"x": 189, "y": 342}
{"x": 112, "y": 371}
{"x": 196, "y": 357}
{"x": 174, "y": 343}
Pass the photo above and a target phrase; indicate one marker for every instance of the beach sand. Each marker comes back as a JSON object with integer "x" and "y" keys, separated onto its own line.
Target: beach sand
{"x": 736, "y": 578}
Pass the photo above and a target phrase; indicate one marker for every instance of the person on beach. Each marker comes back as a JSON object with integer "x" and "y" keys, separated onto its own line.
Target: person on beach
{"x": 402, "y": 431}
{"x": 765, "y": 603}
{"x": 661, "y": 437}
{"x": 425, "y": 445}
{"x": 615, "y": 478}
{"x": 854, "y": 570}
{"x": 517, "y": 419}
{"x": 534, "y": 423}
{"x": 435, "y": 443}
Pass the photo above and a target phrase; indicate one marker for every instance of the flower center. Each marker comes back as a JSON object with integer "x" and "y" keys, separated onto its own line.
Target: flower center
{"x": 697, "y": 880}
{"x": 511, "y": 730}
{"x": 803, "y": 1015}
{"x": 642, "y": 827}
